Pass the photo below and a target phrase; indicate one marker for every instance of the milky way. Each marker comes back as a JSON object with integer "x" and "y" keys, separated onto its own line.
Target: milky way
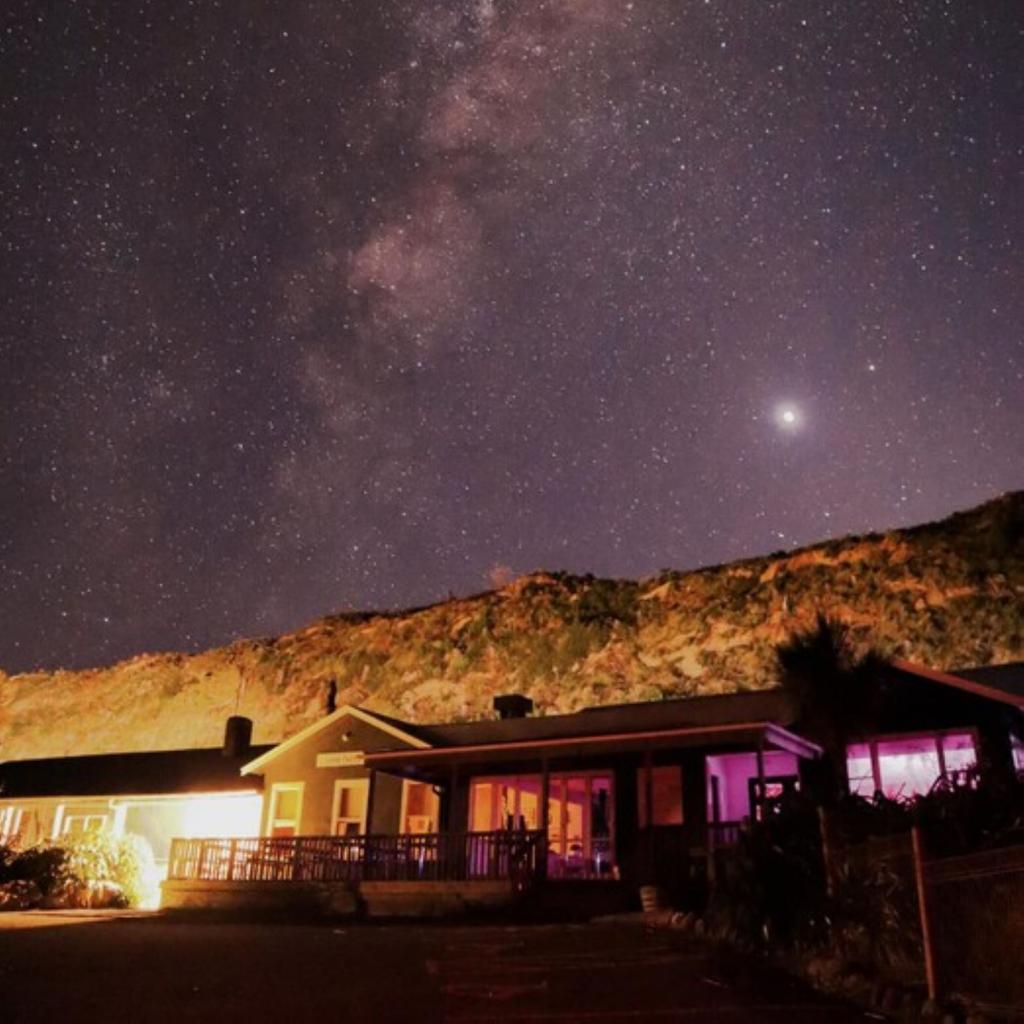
{"x": 311, "y": 306}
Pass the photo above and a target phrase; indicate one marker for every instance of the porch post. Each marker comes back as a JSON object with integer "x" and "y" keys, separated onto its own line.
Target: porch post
{"x": 371, "y": 788}
{"x": 545, "y": 795}
{"x": 649, "y": 856}
{"x": 648, "y": 788}
{"x": 760, "y": 779}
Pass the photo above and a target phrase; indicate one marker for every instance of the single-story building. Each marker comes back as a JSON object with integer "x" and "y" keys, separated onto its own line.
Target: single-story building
{"x": 157, "y": 795}
{"x": 634, "y": 793}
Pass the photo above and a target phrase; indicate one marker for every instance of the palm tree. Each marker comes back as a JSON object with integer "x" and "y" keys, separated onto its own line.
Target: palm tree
{"x": 835, "y": 690}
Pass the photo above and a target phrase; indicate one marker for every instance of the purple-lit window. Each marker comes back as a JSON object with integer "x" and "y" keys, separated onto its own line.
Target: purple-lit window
{"x": 1018, "y": 753}
{"x": 908, "y": 766}
{"x": 859, "y": 770}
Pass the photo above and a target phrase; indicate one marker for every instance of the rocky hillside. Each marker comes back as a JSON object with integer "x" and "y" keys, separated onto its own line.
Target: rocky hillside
{"x": 948, "y": 594}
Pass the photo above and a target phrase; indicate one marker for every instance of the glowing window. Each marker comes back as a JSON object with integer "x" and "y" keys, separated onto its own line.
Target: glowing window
{"x": 285, "y": 809}
{"x": 421, "y": 808}
{"x": 509, "y": 802}
{"x": 350, "y": 799}
{"x": 77, "y": 823}
{"x": 908, "y": 766}
{"x": 1017, "y": 744}
{"x": 10, "y": 823}
{"x": 860, "y": 771}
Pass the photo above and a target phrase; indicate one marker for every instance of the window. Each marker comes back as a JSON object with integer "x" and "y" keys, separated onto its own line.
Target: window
{"x": 285, "y": 809}
{"x": 75, "y": 824}
{"x": 421, "y": 807}
{"x": 1017, "y": 745}
{"x": 350, "y": 800}
{"x": 580, "y": 817}
{"x": 509, "y": 802}
{"x": 907, "y": 766}
{"x": 10, "y": 823}
{"x": 666, "y": 795}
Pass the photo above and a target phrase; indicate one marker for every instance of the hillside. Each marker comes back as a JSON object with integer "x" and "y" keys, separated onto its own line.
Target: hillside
{"x": 948, "y": 594}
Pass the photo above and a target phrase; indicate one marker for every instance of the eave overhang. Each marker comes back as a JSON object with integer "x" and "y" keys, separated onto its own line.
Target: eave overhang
{"x": 742, "y": 734}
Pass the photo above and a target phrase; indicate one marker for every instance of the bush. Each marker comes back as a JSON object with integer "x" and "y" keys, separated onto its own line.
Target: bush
{"x": 101, "y": 856}
{"x": 45, "y": 866}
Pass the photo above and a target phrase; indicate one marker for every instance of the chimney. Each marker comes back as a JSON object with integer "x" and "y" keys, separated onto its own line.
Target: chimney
{"x": 237, "y": 736}
{"x": 513, "y": 705}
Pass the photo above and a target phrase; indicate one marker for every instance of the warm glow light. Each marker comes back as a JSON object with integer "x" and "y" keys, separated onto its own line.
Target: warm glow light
{"x": 213, "y": 817}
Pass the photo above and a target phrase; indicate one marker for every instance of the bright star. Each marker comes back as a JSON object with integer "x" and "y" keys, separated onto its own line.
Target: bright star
{"x": 788, "y": 417}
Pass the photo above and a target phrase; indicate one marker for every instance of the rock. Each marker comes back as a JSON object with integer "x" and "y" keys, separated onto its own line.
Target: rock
{"x": 19, "y": 895}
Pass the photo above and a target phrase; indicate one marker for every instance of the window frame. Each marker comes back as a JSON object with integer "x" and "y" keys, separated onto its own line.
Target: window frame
{"x": 87, "y": 819}
{"x": 403, "y": 817}
{"x": 339, "y": 786}
{"x": 936, "y": 735}
{"x": 10, "y": 822}
{"x": 273, "y": 821}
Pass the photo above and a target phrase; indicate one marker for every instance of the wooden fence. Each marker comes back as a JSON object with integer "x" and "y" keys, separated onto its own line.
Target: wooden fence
{"x": 519, "y": 856}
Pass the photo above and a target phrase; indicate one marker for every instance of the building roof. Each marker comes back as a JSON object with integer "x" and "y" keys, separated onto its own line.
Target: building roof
{"x": 731, "y": 734}
{"x": 1008, "y": 678}
{"x": 400, "y": 731}
{"x": 153, "y": 773}
{"x": 992, "y": 682}
{"x": 616, "y": 719}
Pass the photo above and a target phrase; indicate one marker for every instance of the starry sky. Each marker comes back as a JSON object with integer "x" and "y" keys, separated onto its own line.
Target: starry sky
{"x": 315, "y": 305}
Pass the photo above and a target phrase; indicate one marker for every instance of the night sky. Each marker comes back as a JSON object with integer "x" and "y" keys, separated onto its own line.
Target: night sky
{"x": 312, "y": 305}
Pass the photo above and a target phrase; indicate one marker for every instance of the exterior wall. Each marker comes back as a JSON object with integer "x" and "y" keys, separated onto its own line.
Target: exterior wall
{"x": 155, "y": 819}
{"x": 299, "y": 765}
{"x": 43, "y": 819}
{"x": 734, "y": 772}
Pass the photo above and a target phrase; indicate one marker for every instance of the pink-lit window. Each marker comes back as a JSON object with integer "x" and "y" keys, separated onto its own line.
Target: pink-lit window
{"x": 859, "y": 770}
{"x": 908, "y": 766}
{"x": 1017, "y": 745}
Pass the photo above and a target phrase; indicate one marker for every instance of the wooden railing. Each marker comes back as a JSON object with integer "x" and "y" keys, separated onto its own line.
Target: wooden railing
{"x": 723, "y": 834}
{"x": 517, "y": 856}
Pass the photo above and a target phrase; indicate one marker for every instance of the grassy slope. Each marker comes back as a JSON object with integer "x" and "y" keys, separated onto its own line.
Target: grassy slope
{"x": 948, "y": 594}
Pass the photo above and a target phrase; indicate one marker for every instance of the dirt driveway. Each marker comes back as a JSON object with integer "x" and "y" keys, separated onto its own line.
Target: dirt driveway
{"x": 141, "y": 968}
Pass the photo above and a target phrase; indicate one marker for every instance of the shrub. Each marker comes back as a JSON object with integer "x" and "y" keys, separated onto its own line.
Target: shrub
{"x": 45, "y": 866}
{"x": 101, "y": 856}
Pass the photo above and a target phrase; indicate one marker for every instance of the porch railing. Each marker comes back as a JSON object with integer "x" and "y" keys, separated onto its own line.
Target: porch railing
{"x": 519, "y": 856}
{"x": 724, "y": 834}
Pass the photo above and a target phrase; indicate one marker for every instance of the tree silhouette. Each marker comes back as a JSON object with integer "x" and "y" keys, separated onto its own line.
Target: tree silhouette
{"x": 836, "y": 692}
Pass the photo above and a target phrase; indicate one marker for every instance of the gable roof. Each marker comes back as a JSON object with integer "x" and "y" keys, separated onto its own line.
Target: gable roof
{"x": 152, "y": 773}
{"x": 993, "y": 682}
{"x": 394, "y": 728}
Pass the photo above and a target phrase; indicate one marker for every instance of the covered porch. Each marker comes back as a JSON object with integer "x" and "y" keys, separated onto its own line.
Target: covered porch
{"x": 639, "y": 807}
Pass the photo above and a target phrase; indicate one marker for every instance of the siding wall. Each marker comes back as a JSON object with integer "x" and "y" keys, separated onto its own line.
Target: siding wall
{"x": 299, "y": 765}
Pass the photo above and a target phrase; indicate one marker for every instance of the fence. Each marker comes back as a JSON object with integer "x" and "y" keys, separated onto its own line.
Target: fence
{"x": 974, "y": 909}
{"x": 956, "y": 923}
{"x": 515, "y": 855}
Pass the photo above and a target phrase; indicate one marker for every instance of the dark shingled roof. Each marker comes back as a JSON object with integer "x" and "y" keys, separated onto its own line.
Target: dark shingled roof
{"x": 156, "y": 773}
{"x": 676, "y": 713}
{"x": 1009, "y": 678}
